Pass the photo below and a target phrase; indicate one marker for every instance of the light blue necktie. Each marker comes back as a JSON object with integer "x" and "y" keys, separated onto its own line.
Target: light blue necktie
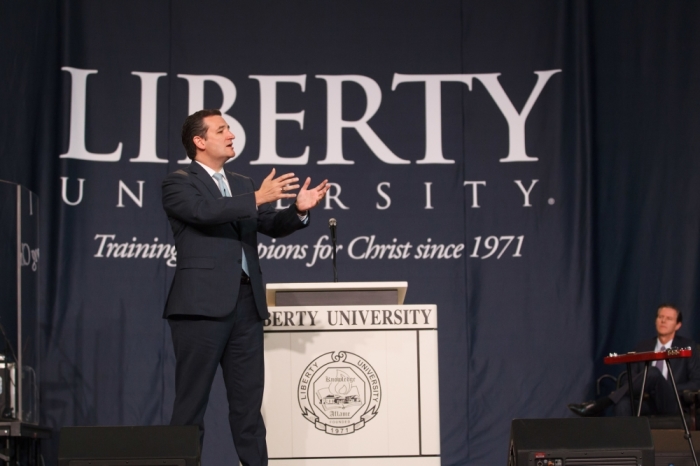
{"x": 224, "y": 191}
{"x": 660, "y": 363}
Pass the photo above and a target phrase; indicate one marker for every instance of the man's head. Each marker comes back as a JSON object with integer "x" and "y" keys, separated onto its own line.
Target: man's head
{"x": 668, "y": 320}
{"x": 206, "y": 133}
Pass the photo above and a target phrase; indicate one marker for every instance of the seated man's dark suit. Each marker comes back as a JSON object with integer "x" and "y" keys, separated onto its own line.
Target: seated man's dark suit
{"x": 214, "y": 317}
{"x": 662, "y": 399}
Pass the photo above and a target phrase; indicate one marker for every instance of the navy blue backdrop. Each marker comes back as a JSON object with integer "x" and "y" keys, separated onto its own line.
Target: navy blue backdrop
{"x": 537, "y": 162}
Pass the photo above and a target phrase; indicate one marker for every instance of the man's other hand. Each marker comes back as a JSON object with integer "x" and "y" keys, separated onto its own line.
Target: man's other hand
{"x": 309, "y": 198}
{"x": 273, "y": 188}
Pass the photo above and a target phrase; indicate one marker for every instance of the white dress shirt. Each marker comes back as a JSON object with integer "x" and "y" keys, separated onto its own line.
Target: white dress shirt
{"x": 664, "y": 367}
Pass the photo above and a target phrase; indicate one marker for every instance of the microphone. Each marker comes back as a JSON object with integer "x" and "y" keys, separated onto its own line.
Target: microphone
{"x": 332, "y": 224}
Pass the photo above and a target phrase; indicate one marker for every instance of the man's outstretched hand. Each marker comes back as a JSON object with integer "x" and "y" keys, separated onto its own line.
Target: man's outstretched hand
{"x": 273, "y": 188}
{"x": 309, "y": 198}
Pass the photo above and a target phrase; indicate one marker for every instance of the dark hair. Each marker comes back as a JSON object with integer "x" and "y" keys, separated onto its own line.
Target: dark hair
{"x": 679, "y": 317}
{"x": 194, "y": 126}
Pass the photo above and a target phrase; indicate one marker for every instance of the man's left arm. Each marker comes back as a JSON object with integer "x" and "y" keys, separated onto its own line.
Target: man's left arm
{"x": 278, "y": 224}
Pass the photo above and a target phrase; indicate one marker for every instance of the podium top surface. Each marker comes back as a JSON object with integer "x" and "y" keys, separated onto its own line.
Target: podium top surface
{"x": 331, "y": 287}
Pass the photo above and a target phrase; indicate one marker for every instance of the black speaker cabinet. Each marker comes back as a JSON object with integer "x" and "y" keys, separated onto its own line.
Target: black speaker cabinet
{"x": 132, "y": 446}
{"x": 596, "y": 441}
{"x": 673, "y": 449}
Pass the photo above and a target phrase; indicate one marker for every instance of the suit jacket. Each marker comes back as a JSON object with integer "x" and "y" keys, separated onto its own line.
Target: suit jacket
{"x": 210, "y": 232}
{"x": 686, "y": 371}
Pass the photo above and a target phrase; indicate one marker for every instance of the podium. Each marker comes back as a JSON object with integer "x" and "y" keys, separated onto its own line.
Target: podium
{"x": 351, "y": 376}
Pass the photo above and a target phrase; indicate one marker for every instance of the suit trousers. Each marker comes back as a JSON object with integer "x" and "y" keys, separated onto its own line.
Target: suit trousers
{"x": 662, "y": 398}
{"x": 236, "y": 342}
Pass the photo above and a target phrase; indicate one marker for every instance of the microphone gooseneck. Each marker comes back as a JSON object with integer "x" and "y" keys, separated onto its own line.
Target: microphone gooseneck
{"x": 332, "y": 225}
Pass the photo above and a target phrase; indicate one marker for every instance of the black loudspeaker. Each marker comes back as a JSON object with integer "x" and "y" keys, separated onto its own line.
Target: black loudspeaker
{"x": 595, "y": 441}
{"x": 672, "y": 448}
{"x": 133, "y": 446}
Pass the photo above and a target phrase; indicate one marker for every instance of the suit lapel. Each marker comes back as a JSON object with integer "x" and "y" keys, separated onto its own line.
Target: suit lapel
{"x": 202, "y": 175}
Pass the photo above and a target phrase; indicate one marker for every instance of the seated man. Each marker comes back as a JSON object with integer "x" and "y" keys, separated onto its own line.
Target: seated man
{"x": 662, "y": 399}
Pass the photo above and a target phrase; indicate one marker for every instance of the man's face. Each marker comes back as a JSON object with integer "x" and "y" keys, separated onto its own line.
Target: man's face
{"x": 667, "y": 322}
{"x": 218, "y": 142}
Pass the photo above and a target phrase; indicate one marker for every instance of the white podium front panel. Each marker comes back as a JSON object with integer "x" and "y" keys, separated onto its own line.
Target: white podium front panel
{"x": 352, "y": 385}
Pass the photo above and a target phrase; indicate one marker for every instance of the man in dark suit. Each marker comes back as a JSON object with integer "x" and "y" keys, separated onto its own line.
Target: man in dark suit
{"x": 216, "y": 304}
{"x": 662, "y": 398}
